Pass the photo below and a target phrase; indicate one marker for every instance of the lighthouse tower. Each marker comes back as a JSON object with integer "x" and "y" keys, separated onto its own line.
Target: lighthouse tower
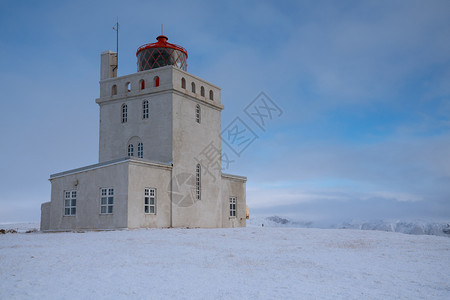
{"x": 159, "y": 153}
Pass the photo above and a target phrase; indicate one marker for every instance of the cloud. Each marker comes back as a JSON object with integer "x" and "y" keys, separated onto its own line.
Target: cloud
{"x": 396, "y": 170}
{"x": 363, "y": 87}
{"x": 356, "y": 53}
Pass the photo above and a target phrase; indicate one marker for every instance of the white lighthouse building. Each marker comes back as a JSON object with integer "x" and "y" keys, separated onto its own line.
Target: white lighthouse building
{"x": 159, "y": 153}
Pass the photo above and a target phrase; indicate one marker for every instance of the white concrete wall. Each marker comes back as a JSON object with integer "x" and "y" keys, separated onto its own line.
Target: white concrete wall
{"x": 155, "y": 132}
{"x": 108, "y": 65}
{"x": 45, "y": 216}
{"x": 178, "y": 74}
{"x": 141, "y": 176}
{"x": 190, "y": 139}
{"x": 234, "y": 187}
{"x": 165, "y": 82}
{"x": 88, "y": 188}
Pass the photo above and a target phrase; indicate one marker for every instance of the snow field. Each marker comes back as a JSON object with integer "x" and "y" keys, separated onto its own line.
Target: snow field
{"x": 244, "y": 263}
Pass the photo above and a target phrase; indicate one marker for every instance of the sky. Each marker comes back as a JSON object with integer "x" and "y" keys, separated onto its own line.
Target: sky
{"x": 362, "y": 91}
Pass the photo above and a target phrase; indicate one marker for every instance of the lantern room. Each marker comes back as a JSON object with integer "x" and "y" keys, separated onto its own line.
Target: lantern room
{"x": 160, "y": 54}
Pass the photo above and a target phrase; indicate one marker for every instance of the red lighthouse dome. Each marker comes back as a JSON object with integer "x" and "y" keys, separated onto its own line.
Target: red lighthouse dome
{"x": 160, "y": 54}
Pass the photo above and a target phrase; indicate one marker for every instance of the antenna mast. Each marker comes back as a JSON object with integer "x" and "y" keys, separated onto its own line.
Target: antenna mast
{"x": 116, "y": 28}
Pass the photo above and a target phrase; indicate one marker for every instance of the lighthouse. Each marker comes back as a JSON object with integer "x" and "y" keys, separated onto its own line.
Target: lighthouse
{"x": 159, "y": 153}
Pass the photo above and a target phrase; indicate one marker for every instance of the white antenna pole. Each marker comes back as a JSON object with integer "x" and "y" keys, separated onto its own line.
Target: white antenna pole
{"x": 116, "y": 28}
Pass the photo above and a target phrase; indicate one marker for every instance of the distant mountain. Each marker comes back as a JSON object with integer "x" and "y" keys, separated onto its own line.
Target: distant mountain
{"x": 408, "y": 227}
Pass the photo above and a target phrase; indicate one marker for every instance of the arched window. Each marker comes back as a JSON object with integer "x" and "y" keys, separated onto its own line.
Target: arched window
{"x": 142, "y": 84}
{"x": 198, "y": 182}
{"x": 128, "y": 86}
{"x": 130, "y": 150}
{"x": 135, "y": 141}
{"x": 193, "y": 87}
{"x": 156, "y": 81}
{"x": 197, "y": 113}
{"x": 114, "y": 90}
{"x": 183, "y": 83}
{"x": 211, "y": 95}
{"x": 145, "y": 109}
{"x": 124, "y": 113}
{"x": 140, "y": 150}
{"x": 202, "y": 91}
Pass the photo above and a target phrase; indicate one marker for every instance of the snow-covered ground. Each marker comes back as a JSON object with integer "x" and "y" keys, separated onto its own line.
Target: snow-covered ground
{"x": 244, "y": 263}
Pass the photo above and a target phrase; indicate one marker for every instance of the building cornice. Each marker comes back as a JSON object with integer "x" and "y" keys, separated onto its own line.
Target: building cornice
{"x": 133, "y": 160}
{"x": 234, "y": 177}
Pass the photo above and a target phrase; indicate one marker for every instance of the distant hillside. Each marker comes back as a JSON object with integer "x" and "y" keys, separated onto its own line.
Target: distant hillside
{"x": 408, "y": 227}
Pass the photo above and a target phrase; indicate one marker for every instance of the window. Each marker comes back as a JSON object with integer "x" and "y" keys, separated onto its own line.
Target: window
{"x": 135, "y": 144}
{"x": 193, "y": 87}
{"x": 183, "y": 83}
{"x": 202, "y": 91}
{"x": 197, "y": 113}
{"x": 232, "y": 206}
{"x": 124, "y": 113}
{"x": 130, "y": 150}
{"x": 211, "y": 95}
{"x": 156, "y": 81}
{"x": 142, "y": 84}
{"x": 70, "y": 203}
{"x": 197, "y": 182}
{"x": 140, "y": 150}
{"x": 128, "y": 86}
{"x": 150, "y": 201}
{"x": 145, "y": 109}
{"x": 114, "y": 90}
{"x": 107, "y": 201}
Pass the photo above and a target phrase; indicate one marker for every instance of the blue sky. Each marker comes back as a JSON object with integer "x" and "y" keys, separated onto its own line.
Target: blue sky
{"x": 364, "y": 87}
